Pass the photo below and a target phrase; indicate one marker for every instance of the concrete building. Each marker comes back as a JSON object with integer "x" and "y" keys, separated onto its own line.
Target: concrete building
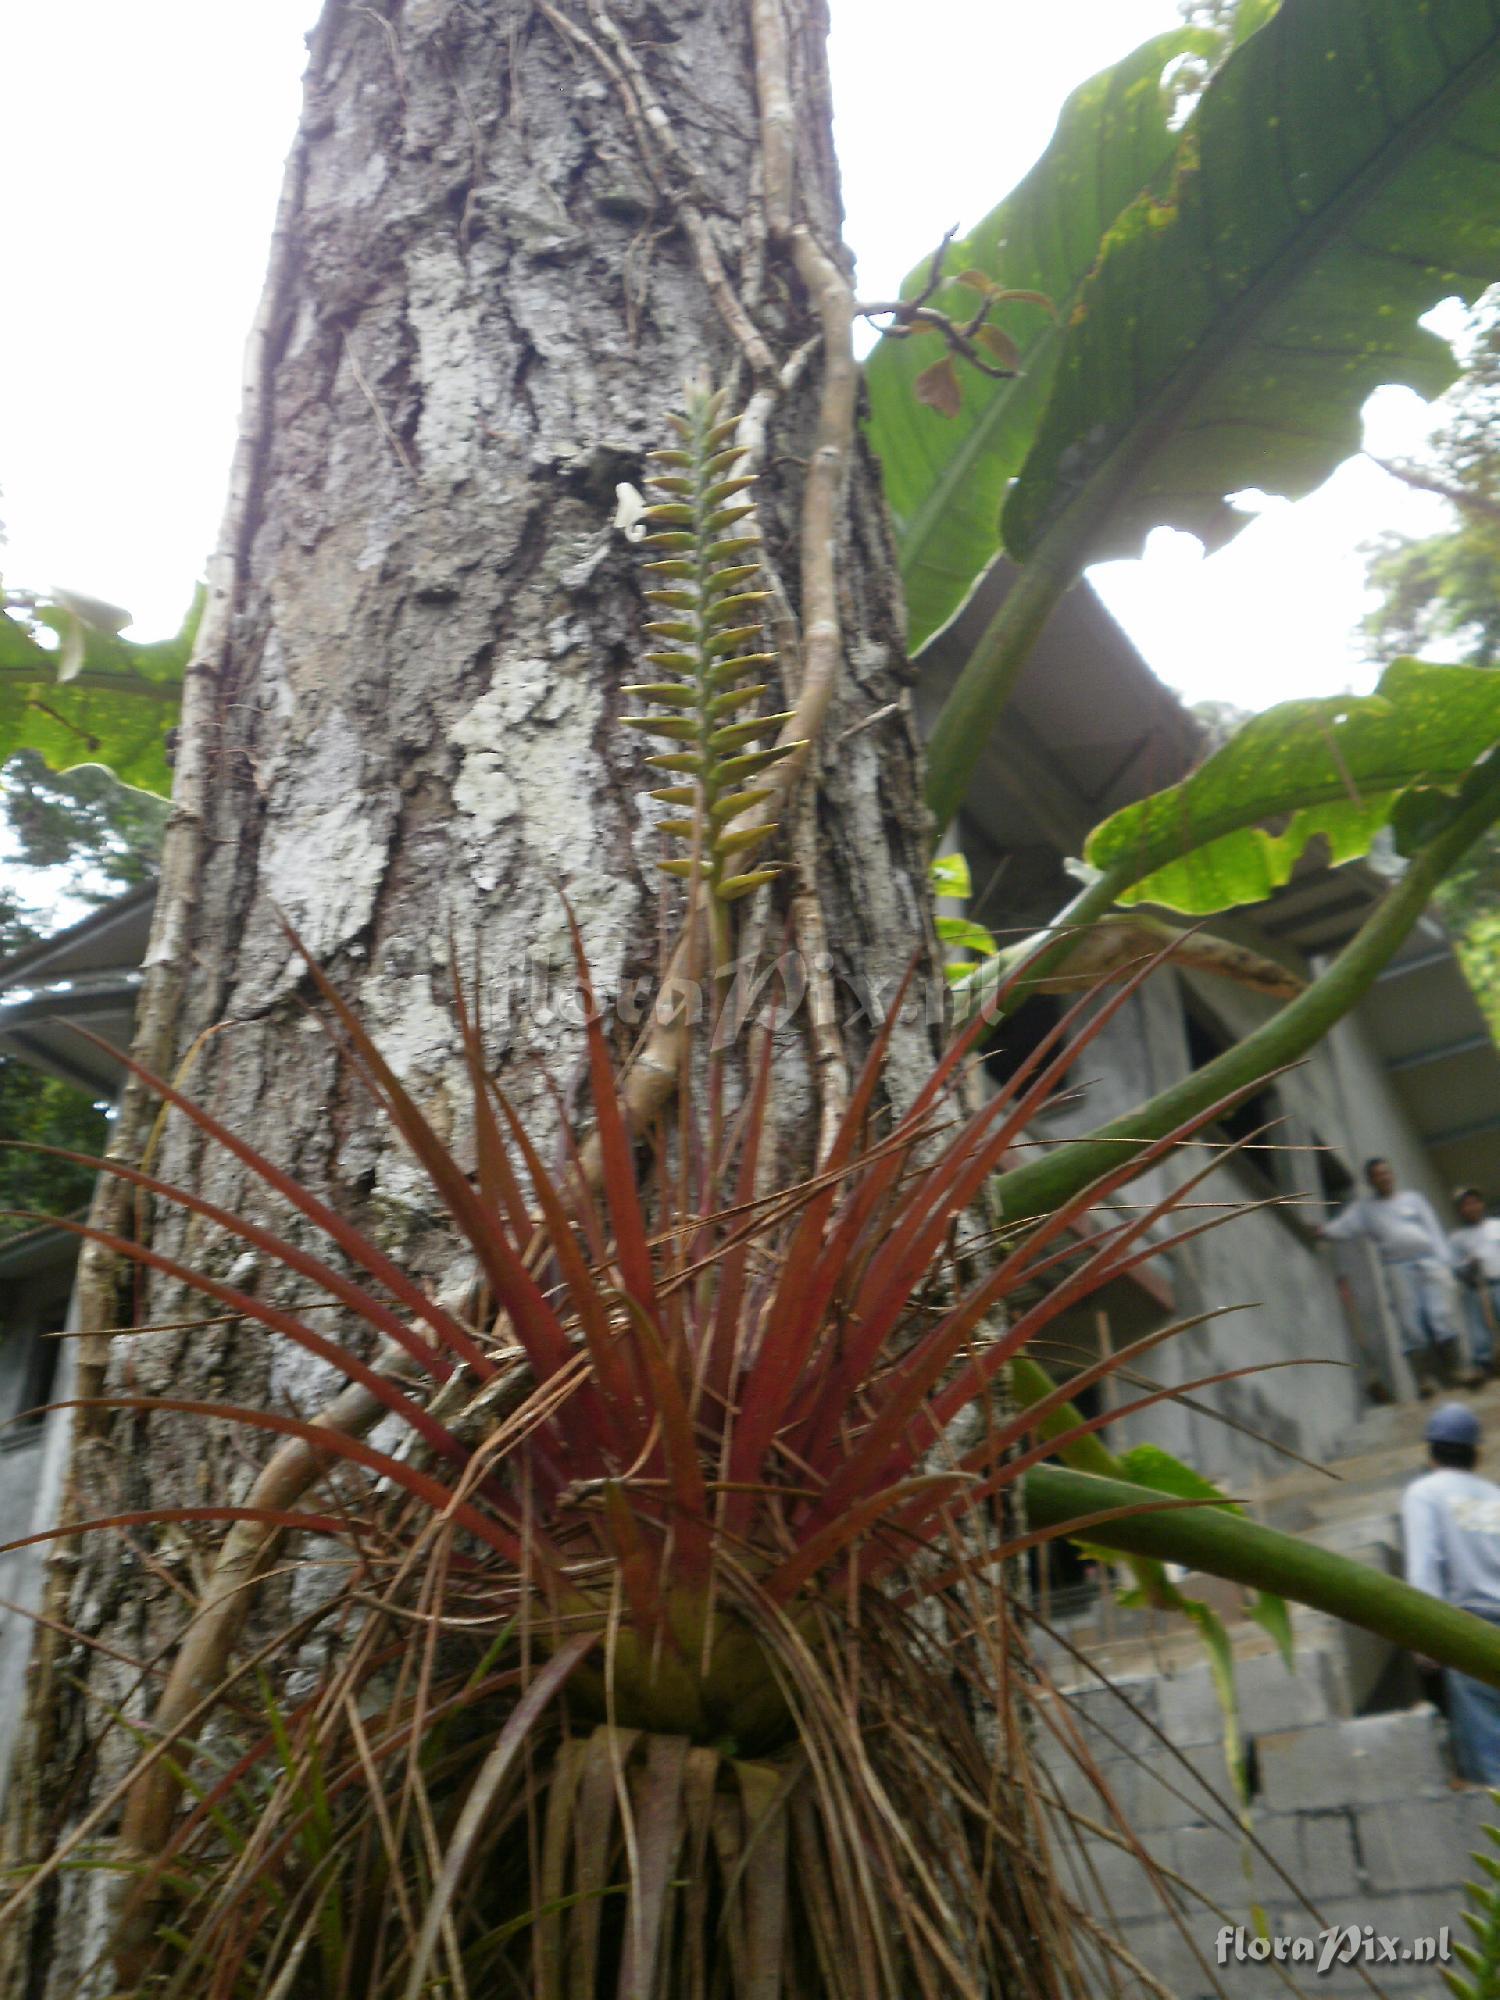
{"x": 1411, "y": 1073}
{"x": 86, "y": 977}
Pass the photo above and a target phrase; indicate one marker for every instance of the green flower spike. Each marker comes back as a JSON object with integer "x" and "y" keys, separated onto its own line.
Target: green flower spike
{"x": 707, "y": 623}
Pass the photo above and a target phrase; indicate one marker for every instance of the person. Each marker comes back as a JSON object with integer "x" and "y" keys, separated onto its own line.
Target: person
{"x": 1450, "y": 1519}
{"x": 1417, "y": 1269}
{"x": 1475, "y": 1248}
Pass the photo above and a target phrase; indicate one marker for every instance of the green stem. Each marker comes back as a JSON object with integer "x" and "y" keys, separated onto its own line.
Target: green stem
{"x": 1227, "y": 1545}
{"x": 1052, "y": 1178}
{"x": 1097, "y": 900}
{"x": 988, "y": 678}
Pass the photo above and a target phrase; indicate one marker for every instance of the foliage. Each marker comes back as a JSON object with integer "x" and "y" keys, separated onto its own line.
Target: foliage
{"x": 76, "y": 693}
{"x": 103, "y": 836}
{"x": 1444, "y": 590}
{"x": 1338, "y": 767}
{"x": 1481, "y": 1958}
{"x": 945, "y": 478}
{"x": 42, "y": 1111}
{"x": 1227, "y": 336}
{"x": 1232, "y": 315}
{"x": 952, "y": 883}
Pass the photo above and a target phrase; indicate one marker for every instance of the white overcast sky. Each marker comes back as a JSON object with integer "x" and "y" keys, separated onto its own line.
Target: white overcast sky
{"x": 141, "y": 157}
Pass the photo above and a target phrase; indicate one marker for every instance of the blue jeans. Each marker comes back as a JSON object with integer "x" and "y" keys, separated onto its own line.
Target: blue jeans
{"x": 1421, "y": 1296}
{"x": 1474, "y": 1724}
{"x": 1481, "y": 1337}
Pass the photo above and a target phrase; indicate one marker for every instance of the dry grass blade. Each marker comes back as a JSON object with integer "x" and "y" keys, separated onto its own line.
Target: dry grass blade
{"x": 496, "y": 1768}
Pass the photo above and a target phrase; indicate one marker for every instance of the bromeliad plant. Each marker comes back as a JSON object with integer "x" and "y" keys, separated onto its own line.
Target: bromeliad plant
{"x": 668, "y": 1625}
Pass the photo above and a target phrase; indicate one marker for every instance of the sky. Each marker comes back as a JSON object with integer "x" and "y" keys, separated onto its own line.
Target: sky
{"x": 142, "y": 160}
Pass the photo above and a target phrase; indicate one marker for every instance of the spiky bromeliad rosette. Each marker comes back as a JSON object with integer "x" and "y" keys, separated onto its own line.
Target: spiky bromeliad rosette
{"x": 637, "y": 1689}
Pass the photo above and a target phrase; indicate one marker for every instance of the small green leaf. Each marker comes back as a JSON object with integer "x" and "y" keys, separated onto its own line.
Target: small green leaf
{"x": 683, "y": 726}
{"x": 950, "y": 876}
{"x": 966, "y": 936}
{"x": 118, "y": 702}
{"x": 735, "y": 886}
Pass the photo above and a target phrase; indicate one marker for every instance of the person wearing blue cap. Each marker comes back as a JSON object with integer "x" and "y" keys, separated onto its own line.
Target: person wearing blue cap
{"x": 1450, "y": 1518}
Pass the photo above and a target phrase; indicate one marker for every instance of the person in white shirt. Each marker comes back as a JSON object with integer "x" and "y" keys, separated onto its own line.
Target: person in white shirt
{"x": 1475, "y": 1247}
{"x": 1450, "y": 1521}
{"x": 1417, "y": 1269}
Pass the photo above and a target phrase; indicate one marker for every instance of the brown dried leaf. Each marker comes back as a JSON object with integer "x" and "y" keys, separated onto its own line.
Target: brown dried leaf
{"x": 938, "y": 387}
{"x": 1000, "y": 345}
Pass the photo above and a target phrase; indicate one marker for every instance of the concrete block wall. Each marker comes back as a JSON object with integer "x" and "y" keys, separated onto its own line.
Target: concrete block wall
{"x": 1357, "y": 1817}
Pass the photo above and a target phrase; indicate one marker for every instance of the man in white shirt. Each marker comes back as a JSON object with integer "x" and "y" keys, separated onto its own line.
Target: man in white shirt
{"x": 1417, "y": 1269}
{"x": 1475, "y": 1246}
{"x": 1450, "y": 1519}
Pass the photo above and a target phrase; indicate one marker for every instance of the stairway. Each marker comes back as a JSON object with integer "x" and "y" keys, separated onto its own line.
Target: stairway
{"x": 1350, "y": 1768}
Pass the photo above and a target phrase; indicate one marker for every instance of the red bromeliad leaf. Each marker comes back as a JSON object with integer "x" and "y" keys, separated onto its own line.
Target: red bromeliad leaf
{"x": 450, "y": 1331}
{"x": 950, "y": 1186}
{"x": 246, "y": 1306}
{"x": 886, "y": 1447}
{"x": 820, "y": 1549}
{"x": 325, "y": 1440}
{"x": 632, "y": 1245}
{"x": 691, "y": 1548}
{"x": 535, "y": 1325}
{"x": 152, "y": 1517}
{"x": 639, "y": 1577}
{"x": 915, "y": 1525}
{"x": 734, "y": 1257}
{"x": 612, "y": 1402}
{"x": 785, "y": 1341}
{"x": 356, "y": 1297}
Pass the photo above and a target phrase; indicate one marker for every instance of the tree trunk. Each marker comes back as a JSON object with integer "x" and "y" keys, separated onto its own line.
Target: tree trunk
{"x": 510, "y": 233}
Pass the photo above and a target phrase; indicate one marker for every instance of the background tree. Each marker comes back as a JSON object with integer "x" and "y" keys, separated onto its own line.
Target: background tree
{"x": 1440, "y": 594}
{"x": 74, "y": 839}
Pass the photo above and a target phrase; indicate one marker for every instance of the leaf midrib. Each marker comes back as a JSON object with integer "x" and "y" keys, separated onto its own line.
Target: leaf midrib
{"x": 1142, "y": 442}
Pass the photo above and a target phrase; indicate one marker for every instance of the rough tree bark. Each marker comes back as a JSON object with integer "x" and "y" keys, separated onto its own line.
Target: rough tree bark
{"x": 511, "y": 230}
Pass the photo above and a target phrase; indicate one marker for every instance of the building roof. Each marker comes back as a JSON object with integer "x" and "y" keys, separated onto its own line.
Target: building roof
{"x": 1089, "y": 729}
{"x": 87, "y": 976}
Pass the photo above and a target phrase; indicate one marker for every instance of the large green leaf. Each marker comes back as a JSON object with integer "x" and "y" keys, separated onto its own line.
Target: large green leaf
{"x": 115, "y": 705}
{"x": 1340, "y": 176}
{"x": 1335, "y": 766}
{"x": 945, "y": 477}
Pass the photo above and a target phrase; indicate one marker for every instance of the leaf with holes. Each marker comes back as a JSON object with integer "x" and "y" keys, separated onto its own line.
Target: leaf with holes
{"x": 1233, "y": 830}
